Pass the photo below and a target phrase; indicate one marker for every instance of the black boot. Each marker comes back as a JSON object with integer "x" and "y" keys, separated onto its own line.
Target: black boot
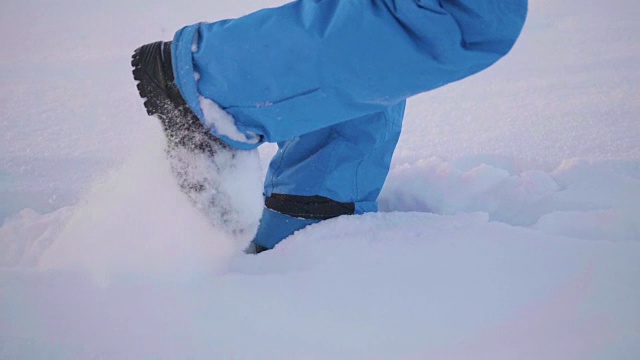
{"x": 254, "y": 249}
{"x": 153, "y": 70}
{"x": 198, "y": 159}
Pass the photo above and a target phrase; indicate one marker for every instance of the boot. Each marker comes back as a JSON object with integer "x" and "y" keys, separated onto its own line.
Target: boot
{"x": 198, "y": 159}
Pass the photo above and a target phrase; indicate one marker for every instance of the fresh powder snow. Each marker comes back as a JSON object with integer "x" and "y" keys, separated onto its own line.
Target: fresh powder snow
{"x": 509, "y": 224}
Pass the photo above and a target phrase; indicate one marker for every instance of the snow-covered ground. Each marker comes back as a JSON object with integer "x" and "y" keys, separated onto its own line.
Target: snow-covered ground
{"x": 510, "y": 226}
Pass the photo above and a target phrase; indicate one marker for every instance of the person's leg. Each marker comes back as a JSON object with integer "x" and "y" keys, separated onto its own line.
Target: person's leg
{"x": 281, "y": 73}
{"x": 334, "y": 171}
{"x": 292, "y": 70}
{"x": 201, "y": 163}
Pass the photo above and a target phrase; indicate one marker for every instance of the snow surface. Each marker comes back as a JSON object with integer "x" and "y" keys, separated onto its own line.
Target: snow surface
{"x": 510, "y": 223}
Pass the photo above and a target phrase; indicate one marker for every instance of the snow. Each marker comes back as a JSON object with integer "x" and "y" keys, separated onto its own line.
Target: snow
{"x": 602, "y": 197}
{"x": 510, "y": 222}
{"x": 223, "y": 124}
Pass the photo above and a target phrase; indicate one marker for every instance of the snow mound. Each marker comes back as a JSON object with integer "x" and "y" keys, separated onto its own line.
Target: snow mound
{"x": 582, "y": 199}
{"x": 27, "y": 235}
{"x": 379, "y": 286}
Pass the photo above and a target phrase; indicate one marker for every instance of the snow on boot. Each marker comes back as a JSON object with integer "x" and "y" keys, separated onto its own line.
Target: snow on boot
{"x": 202, "y": 164}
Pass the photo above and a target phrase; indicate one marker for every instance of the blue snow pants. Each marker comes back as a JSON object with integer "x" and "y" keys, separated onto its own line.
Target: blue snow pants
{"x": 327, "y": 80}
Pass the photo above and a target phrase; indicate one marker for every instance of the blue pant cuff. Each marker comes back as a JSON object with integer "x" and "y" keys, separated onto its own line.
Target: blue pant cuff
{"x": 182, "y": 48}
{"x": 275, "y": 227}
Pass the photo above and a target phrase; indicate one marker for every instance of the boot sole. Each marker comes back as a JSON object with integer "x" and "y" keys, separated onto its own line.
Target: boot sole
{"x": 182, "y": 127}
{"x": 155, "y": 100}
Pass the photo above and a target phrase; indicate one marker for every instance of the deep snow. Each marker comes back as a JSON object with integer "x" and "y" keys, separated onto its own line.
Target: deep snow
{"x": 510, "y": 223}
